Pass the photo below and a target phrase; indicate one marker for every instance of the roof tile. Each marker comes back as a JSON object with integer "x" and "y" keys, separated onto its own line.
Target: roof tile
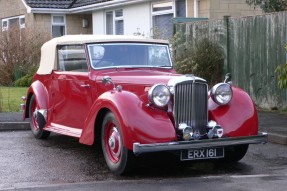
{"x": 62, "y": 4}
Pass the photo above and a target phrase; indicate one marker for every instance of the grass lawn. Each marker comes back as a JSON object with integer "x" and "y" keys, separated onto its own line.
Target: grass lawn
{"x": 10, "y": 98}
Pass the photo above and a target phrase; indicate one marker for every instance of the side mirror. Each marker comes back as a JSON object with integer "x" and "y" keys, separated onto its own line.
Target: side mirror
{"x": 108, "y": 80}
{"x": 228, "y": 78}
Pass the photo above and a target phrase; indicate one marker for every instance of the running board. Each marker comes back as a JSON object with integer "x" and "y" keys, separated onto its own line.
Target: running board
{"x": 64, "y": 130}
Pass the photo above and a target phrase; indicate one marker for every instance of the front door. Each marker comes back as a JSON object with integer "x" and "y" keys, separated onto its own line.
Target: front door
{"x": 71, "y": 96}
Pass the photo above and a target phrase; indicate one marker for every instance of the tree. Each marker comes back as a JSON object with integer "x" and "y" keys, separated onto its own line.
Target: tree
{"x": 268, "y": 5}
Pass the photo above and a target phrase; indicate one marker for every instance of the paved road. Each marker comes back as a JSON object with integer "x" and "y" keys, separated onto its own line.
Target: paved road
{"x": 61, "y": 163}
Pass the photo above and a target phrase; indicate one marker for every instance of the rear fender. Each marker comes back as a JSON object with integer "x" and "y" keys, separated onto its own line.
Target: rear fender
{"x": 238, "y": 118}
{"x": 41, "y": 95}
{"x": 139, "y": 123}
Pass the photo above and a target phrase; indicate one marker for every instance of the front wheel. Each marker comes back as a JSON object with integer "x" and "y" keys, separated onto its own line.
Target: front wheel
{"x": 37, "y": 131}
{"x": 118, "y": 158}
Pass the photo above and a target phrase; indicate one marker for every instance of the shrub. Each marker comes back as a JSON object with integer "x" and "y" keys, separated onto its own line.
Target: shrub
{"x": 281, "y": 71}
{"x": 204, "y": 59}
{"x": 26, "y": 80}
{"x": 19, "y": 52}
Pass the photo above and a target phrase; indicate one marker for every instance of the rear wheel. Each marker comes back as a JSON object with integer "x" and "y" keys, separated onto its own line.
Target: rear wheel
{"x": 235, "y": 153}
{"x": 118, "y": 158}
{"x": 37, "y": 131}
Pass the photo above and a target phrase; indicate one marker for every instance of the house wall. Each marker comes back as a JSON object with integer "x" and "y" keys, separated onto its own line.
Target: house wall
{"x": 98, "y": 22}
{"x": 11, "y": 8}
{"x": 216, "y": 9}
{"x": 234, "y": 8}
{"x": 136, "y": 19}
{"x": 75, "y": 26}
{"x": 42, "y": 22}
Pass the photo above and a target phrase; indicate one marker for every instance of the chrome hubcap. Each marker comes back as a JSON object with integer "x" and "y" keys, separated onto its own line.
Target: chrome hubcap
{"x": 112, "y": 143}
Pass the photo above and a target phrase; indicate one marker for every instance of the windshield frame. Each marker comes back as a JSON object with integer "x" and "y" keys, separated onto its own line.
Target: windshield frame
{"x": 129, "y": 66}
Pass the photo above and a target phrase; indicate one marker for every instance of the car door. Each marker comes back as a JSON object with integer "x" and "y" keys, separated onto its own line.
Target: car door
{"x": 71, "y": 96}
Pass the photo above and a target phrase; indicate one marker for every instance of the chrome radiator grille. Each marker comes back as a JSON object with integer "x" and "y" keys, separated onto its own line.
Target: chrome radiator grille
{"x": 190, "y": 105}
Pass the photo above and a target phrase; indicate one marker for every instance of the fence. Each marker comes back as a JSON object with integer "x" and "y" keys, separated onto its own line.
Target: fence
{"x": 253, "y": 48}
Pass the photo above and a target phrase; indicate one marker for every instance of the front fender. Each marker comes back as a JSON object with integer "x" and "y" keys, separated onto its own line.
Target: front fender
{"x": 41, "y": 95}
{"x": 139, "y": 123}
{"x": 238, "y": 118}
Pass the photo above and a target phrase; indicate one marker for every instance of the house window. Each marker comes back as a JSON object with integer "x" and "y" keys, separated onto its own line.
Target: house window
{"x": 162, "y": 14}
{"x": 109, "y": 23}
{"x": 115, "y": 22}
{"x": 58, "y": 25}
{"x": 180, "y": 6}
{"x": 22, "y": 22}
{"x": 13, "y": 22}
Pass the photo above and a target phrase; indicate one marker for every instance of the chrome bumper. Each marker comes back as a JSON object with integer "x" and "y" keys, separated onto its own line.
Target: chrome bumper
{"x": 206, "y": 143}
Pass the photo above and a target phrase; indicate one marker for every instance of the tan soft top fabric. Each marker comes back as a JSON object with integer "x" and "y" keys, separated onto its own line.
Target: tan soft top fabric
{"x": 48, "y": 61}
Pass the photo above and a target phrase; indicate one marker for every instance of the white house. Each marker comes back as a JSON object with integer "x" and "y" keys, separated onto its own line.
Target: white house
{"x": 144, "y": 17}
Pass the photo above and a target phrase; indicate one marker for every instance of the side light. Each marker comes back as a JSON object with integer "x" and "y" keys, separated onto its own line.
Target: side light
{"x": 221, "y": 93}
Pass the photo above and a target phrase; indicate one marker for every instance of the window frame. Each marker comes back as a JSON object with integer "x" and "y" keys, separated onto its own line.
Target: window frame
{"x": 172, "y": 11}
{"x": 114, "y": 20}
{"x": 61, "y": 65}
{"x": 64, "y": 24}
{"x": 165, "y": 12}
{"x": 6, "y": 20}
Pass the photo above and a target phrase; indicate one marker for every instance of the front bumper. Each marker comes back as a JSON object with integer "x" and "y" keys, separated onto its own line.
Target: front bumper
{"x": 195, "y": 144}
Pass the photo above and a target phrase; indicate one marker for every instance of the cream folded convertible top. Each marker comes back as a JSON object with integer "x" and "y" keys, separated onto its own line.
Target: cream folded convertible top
{"x": 48, "y": 61}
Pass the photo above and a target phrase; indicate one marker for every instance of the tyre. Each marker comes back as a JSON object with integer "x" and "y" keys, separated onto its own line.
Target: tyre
{"x": 118, "y": 158}
{"x": 235, "y": 153}
{"x": 36, "y": 128}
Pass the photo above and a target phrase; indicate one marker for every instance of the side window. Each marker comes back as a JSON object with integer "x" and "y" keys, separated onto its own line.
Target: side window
{"x": 72, "y": 58}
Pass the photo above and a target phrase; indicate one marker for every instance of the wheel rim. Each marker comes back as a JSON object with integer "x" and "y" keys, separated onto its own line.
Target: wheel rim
{"x": 112, "y": 139}
{"x": 34, "y": 120}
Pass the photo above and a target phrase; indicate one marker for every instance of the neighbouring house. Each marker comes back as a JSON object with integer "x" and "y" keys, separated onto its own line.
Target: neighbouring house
{"x": 50, "y": 16}
{"x": 144, "y": 17}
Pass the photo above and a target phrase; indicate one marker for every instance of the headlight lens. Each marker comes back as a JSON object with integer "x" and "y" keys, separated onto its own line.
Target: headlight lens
{"x": 159, "y": 95}
{"x": 221, "y": 93}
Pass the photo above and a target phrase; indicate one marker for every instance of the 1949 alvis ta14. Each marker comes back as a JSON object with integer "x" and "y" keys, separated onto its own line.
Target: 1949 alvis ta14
{"x": 122, "y": 92}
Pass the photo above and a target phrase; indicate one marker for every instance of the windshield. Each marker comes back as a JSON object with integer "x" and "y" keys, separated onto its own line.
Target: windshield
{"x": 129, "y": 55}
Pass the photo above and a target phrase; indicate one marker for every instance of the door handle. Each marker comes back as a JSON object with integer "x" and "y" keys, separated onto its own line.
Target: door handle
{"x": 85, "y": 85}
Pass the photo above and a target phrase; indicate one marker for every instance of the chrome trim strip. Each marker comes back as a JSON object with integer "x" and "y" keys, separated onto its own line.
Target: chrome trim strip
{"x": 207, "y": 143}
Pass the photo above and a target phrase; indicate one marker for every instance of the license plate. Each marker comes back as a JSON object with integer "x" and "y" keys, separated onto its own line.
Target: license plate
{"x": 204, "y": 153}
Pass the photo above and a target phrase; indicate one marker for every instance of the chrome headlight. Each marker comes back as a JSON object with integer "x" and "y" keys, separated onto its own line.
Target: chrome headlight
{"x": 159, "y": 95}
{"x": 221, "y": 93}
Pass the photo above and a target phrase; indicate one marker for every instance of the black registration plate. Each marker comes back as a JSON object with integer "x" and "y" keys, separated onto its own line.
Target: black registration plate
{"x": 203, "y": 153}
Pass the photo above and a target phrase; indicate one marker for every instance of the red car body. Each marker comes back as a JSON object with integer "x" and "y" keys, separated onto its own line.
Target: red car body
{"x": 78, "y": 103}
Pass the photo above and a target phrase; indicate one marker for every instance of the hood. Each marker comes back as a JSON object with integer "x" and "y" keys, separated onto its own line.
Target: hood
{"x": 147, "y": 77}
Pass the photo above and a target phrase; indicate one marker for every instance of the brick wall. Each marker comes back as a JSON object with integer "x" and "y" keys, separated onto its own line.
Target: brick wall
{"x": 216, "y": 9}
{"x": 234, "y": 8}
{"x": 74, "y": 24}
{"x": 11, "y": 8}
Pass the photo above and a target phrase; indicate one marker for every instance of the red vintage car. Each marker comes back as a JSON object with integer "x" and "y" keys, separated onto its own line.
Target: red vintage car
{"x": 122, "y": 92}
